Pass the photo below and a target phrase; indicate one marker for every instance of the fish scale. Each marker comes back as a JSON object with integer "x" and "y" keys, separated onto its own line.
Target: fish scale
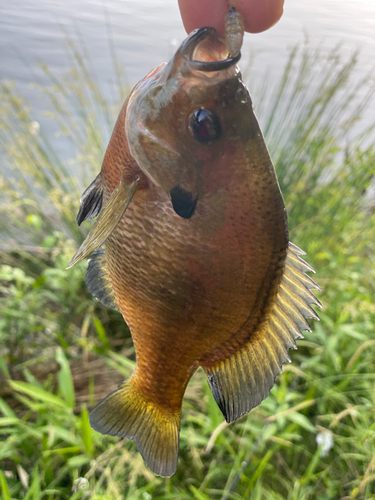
{"x": 191, "y": 245}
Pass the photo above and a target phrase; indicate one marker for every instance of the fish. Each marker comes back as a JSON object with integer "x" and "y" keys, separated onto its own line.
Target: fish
{"x": 191, "y": 245}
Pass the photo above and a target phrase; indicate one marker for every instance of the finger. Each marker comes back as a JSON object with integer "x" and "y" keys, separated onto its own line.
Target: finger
{"x": 259, "y": 15}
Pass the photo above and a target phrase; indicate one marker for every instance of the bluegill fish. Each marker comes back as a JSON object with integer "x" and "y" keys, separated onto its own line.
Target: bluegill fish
{"x": 191, "y": 246}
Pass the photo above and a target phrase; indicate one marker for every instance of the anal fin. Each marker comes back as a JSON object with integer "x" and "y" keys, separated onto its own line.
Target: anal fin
{"x": 91, "y": 201}
{"x": 241, "y": 382}
{"x": 154, "y": 430}
{"x": 97, "y": 280}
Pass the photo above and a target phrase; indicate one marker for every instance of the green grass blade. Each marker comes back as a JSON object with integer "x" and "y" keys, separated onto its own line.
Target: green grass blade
{"x": 38, "y": 394}
{"x": 4, "y": 487}
{"x": 65, "y": 379}
{"x": 86, "y": 431}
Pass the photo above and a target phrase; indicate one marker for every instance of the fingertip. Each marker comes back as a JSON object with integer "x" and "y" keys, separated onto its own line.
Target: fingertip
{"x": 198, "y": 13}
{"x": 259, "y": 15}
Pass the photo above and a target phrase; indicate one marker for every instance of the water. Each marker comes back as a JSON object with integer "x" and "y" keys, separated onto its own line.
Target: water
{"x": 146, "y": 32}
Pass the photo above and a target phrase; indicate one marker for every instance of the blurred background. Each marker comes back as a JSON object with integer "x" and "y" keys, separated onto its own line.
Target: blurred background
{"x": 65, "y": 69}
{"x": 148, "y": 31}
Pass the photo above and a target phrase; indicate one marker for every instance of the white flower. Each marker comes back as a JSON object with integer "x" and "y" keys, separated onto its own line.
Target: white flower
{"x": 325, "y": 440}
{"x": 80, "y": 484}
{"x": 34, "y": 128}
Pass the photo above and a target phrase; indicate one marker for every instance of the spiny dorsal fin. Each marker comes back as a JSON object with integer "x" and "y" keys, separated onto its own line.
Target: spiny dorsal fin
{"x": 242, "y": 381}
{"x": 154, "y": 429}
{"x": 107, "y": 220}
{"x": 97, "y": 280}
{"x": 91, "y": 201}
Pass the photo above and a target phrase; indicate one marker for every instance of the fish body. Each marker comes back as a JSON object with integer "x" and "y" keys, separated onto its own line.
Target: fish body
{"x": 196, "y": 255}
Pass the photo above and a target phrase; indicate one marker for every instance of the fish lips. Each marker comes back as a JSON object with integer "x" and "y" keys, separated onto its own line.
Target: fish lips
{"x": 183, "y": 202}
{"x": 210, "y": 35}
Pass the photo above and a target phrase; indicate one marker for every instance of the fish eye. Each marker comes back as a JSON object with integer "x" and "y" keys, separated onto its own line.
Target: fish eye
{"x": 204, "y": 125}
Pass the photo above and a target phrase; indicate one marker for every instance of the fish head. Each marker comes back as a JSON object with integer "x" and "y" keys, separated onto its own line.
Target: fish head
{"x": 182, "y": 116}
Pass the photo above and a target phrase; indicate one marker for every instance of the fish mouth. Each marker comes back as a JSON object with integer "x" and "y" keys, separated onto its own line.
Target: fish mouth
{"x": 205, "y": 50}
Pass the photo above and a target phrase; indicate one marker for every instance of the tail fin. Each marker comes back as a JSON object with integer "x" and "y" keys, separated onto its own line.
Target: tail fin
{"x": 154, "y": 429}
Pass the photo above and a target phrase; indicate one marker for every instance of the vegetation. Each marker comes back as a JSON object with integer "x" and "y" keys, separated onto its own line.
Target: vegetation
{"x": 61, "y": 351}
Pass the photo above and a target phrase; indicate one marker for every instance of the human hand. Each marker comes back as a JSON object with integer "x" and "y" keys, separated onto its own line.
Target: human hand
{"x": 259, "y": 15}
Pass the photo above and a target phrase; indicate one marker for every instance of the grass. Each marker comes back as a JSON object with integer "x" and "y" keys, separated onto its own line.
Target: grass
{"x": 61, "y": 351}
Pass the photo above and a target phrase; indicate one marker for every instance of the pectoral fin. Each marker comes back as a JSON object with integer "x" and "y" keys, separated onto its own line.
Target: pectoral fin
{"x": 107, "y": 221}
{"x": 241, "y": 382}
{"x": 97, "y": 280}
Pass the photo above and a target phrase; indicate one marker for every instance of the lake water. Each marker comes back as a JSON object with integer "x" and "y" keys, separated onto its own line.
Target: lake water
{"x": 146, "y": 32}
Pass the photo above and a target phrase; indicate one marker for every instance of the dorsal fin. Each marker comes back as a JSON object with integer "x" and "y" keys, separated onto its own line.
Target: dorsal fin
{"x": 91, "y": 201}
{"x": 97, "y": 280}
{"x": 241, "y": 381}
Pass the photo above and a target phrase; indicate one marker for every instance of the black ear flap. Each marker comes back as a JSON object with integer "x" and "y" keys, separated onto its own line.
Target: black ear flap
{"x": 183, "y": 202}
{"x": 91, "y": 201}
